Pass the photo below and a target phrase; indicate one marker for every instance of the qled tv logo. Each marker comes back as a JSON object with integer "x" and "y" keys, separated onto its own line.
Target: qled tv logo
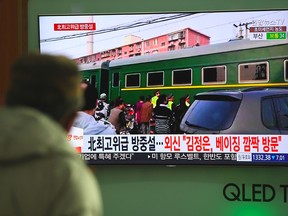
{"x": 254, "y": 193}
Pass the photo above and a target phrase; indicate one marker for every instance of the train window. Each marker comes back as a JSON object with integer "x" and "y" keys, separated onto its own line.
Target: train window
{"x": 214, "y": 75}
{"x": 93, "y": 81}
{"x": 116, "y": 79}
{"x": 155, "y": 78}
{"x": 286, "y": 70}
{"x": 253, "y": 72}
{"x": 182, "y": 77}
{"x": 132, "y": 80}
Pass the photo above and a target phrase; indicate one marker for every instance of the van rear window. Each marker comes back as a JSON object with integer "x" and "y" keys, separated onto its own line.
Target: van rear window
{"x": 213, "y": 114}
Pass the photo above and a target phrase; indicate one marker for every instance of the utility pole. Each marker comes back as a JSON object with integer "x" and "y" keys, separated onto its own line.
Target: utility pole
{"x": 241, "y": 29}
{"x": 90, "y": 39}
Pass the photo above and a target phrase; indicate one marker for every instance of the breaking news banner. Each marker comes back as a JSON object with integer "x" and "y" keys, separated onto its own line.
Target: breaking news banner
{"x": 75, "y": 137}
{"x": 182, "y": 149}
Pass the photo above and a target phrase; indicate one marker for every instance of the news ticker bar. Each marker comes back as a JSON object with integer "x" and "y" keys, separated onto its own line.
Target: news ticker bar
{"x": 246, "y": 144}
{"x": 184, "y": 158}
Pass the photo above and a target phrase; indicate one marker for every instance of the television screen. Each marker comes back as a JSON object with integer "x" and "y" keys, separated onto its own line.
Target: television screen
{"x": 222, "y": 76}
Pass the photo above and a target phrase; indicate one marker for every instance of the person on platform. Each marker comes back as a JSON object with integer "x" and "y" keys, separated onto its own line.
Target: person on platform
{"x": 171, "y": 105}
{"x": 146, "y": 115}
{"x": 102, "y": 109}
{"x": 187, "y": 100}
{"x": 162, "y": 116}
{"x": 138, "y": 109}
{"x": 117, "y": 115}
{"x": 180, "y": 111}
{"x": 155, "y": 98}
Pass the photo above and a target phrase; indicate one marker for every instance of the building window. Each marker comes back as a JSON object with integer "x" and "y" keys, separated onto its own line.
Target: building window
{"x": 171, "y": 37}
{"x": 176, "y": 36}
{"x": 163, "y": 44}
{"x": 155, "y": 42}
{"x": 132, "y": 80}
{"x": 181, "y": 35}
{"x": 182, "y": 77}
{"x": 182, "y": 46}
{"x": 155, "y": 78}
{"x": 171, "y": 47}
{"x": 214, "y": 75}
{"x": 131, "y": 47}
{"x": 138, "y": 45}
{"x": 253, "y": 72}
{"x": 147, "y": 43}
{"x": 116, "y": 79}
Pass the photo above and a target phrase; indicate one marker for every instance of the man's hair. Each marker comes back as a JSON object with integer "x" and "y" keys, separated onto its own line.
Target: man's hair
{"x": 118, "y": 101}
{"x": 90, "y": 97}
{"x": 156, "y": 91}
{"x": 148, "y": 97}
{"x": 162, "y": 98}
{"x": 50, "y": 84}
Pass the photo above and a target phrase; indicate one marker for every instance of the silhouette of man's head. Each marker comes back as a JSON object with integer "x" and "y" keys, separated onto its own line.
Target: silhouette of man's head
{"x": 50, "y": 84}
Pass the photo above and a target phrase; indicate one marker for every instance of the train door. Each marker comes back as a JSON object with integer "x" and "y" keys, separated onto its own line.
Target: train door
{"x": 104, "y": 78}
{"x": 93, "y": 81}
{"x": 104, "y": 86}
{"x": 115, "y": 85}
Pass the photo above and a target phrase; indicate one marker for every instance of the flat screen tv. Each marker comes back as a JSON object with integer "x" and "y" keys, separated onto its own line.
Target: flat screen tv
{"x": 179, "y": 54}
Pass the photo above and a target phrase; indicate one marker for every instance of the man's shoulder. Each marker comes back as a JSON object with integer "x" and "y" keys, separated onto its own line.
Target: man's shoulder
{"x": 100, "y": 127}
{"x": 147, "y": 104}
{"x": 83, "y": 118}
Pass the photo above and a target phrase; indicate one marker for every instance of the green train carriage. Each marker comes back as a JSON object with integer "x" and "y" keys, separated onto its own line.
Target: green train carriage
{"x": 233, "y": 64}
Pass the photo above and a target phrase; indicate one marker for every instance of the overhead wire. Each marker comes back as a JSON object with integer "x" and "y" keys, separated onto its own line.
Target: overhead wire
{"x": 117, "y": 28}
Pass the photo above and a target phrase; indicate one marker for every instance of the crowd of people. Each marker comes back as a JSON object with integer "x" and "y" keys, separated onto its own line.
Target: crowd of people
{"x": 151, "y": 115}
{"x": 166, "y": 114}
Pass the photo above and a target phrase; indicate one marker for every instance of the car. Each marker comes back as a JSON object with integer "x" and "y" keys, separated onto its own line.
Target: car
{"x": 238, "y": 111}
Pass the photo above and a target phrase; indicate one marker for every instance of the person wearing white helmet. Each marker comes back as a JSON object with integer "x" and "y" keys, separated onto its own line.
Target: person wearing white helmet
{"x": 103, "y": 96}
{"x": 102, "y": 108}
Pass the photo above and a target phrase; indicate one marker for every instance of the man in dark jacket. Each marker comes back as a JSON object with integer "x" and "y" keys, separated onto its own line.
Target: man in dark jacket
{"x": 162, "y": 115}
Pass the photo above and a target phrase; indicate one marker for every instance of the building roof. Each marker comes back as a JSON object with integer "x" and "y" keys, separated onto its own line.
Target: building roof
{"x": 198, "y": 51}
